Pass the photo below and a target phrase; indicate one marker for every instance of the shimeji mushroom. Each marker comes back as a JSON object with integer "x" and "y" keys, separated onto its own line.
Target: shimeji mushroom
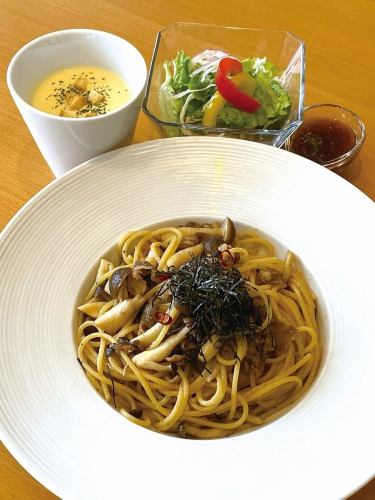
{"x": 183, "y": 256}
{"x": 146, "y": 338}
{"x": 92, "y": 308}
{"x": 114, "y": 319}
{"x": 143, "y": 359}
{"x": 228, "y": 230}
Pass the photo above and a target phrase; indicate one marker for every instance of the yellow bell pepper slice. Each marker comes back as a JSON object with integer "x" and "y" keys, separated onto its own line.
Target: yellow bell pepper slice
{"x": 213, "y": 109}
{"x": 217, "y": 102}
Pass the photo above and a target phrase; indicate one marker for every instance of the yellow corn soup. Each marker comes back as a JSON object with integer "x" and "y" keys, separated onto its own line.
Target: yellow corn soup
{"x": 80, "y": 91}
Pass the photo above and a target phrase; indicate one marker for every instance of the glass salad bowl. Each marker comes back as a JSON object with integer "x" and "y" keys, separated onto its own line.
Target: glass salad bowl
{"x": 181, "y": 87}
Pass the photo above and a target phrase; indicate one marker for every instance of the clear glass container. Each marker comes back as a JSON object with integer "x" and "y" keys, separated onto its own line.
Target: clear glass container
{"x": 337, "y": 114}
{"x": 282, "y": 48}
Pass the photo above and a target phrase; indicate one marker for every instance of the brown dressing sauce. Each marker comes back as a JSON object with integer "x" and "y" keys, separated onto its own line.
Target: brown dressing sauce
{"x": 322, "y": 139}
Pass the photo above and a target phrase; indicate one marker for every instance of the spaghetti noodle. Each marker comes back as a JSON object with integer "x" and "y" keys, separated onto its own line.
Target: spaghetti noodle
{"x": 199, "y": 331}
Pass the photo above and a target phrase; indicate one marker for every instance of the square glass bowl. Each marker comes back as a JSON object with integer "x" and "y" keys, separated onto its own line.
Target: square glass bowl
{"x": 282, "y": 48}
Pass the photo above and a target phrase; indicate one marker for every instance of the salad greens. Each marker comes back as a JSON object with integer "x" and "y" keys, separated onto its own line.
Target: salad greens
{"x": 190, "y": 84}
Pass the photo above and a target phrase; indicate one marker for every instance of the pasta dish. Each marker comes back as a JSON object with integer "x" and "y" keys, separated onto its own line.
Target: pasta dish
{"x": 199, "y": 330}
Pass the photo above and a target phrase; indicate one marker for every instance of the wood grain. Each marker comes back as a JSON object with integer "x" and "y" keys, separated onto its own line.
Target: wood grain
{"x": 340, "y": 43}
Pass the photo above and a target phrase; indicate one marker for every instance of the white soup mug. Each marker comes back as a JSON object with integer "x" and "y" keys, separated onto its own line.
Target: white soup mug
{"x": 67, "y": 142}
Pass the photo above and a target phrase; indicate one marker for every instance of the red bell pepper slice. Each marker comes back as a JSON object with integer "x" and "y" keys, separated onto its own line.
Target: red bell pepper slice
{"x": 230, "y": 92}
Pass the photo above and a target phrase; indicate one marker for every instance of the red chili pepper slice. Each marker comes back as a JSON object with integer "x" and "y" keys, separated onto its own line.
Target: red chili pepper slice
{"x": 226, "y": 258}
{"x": 230, "y": 92}
{"x": 163, "y": 276}
{"x": 163, "y": 318}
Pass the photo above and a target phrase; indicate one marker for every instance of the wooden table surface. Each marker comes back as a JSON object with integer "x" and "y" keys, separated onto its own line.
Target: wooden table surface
{"x": 340, "y": 51}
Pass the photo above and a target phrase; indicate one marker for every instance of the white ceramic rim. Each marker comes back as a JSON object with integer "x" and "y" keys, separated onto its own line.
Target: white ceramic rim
{"x": 35, "y": 41}
{"x": 327, "y": 436}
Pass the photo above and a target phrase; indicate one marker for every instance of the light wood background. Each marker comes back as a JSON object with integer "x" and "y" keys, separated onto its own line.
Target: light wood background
{"x": 340, "y": 43}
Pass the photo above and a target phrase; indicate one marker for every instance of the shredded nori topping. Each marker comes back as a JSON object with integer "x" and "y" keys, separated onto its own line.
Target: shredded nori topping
{"x": 217, "y": 298}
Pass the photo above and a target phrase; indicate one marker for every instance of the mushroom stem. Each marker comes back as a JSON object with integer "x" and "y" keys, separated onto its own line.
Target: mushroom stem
{"x": 162, "y": 351}
{"x": 112, "y": 320}
{"x": 183, "y": 256}
{"x": 147, "y": 337}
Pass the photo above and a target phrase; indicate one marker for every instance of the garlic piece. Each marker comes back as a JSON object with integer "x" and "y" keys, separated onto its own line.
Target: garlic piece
{"x": 81, "y": 83}
{"x": 95, "y": 97}
{"x": 68, "y": 114}
{"x": 75, "y": 101}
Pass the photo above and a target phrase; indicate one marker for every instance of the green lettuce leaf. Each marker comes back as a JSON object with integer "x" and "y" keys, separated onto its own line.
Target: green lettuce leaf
{"x": 181, "y": 74}
{"x": 196, "y": 91}
{"x": 169, "y": 113}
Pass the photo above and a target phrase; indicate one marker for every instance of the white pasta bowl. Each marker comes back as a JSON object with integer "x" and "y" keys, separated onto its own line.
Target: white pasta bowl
{"x": 71, "y": 440}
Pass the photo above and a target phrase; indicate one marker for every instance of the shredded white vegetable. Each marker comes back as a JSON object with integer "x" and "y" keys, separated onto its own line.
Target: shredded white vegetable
{"x": 183, "y": 110}
{"x": 208, "y": 61}
{"x": 208, "y": 55}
